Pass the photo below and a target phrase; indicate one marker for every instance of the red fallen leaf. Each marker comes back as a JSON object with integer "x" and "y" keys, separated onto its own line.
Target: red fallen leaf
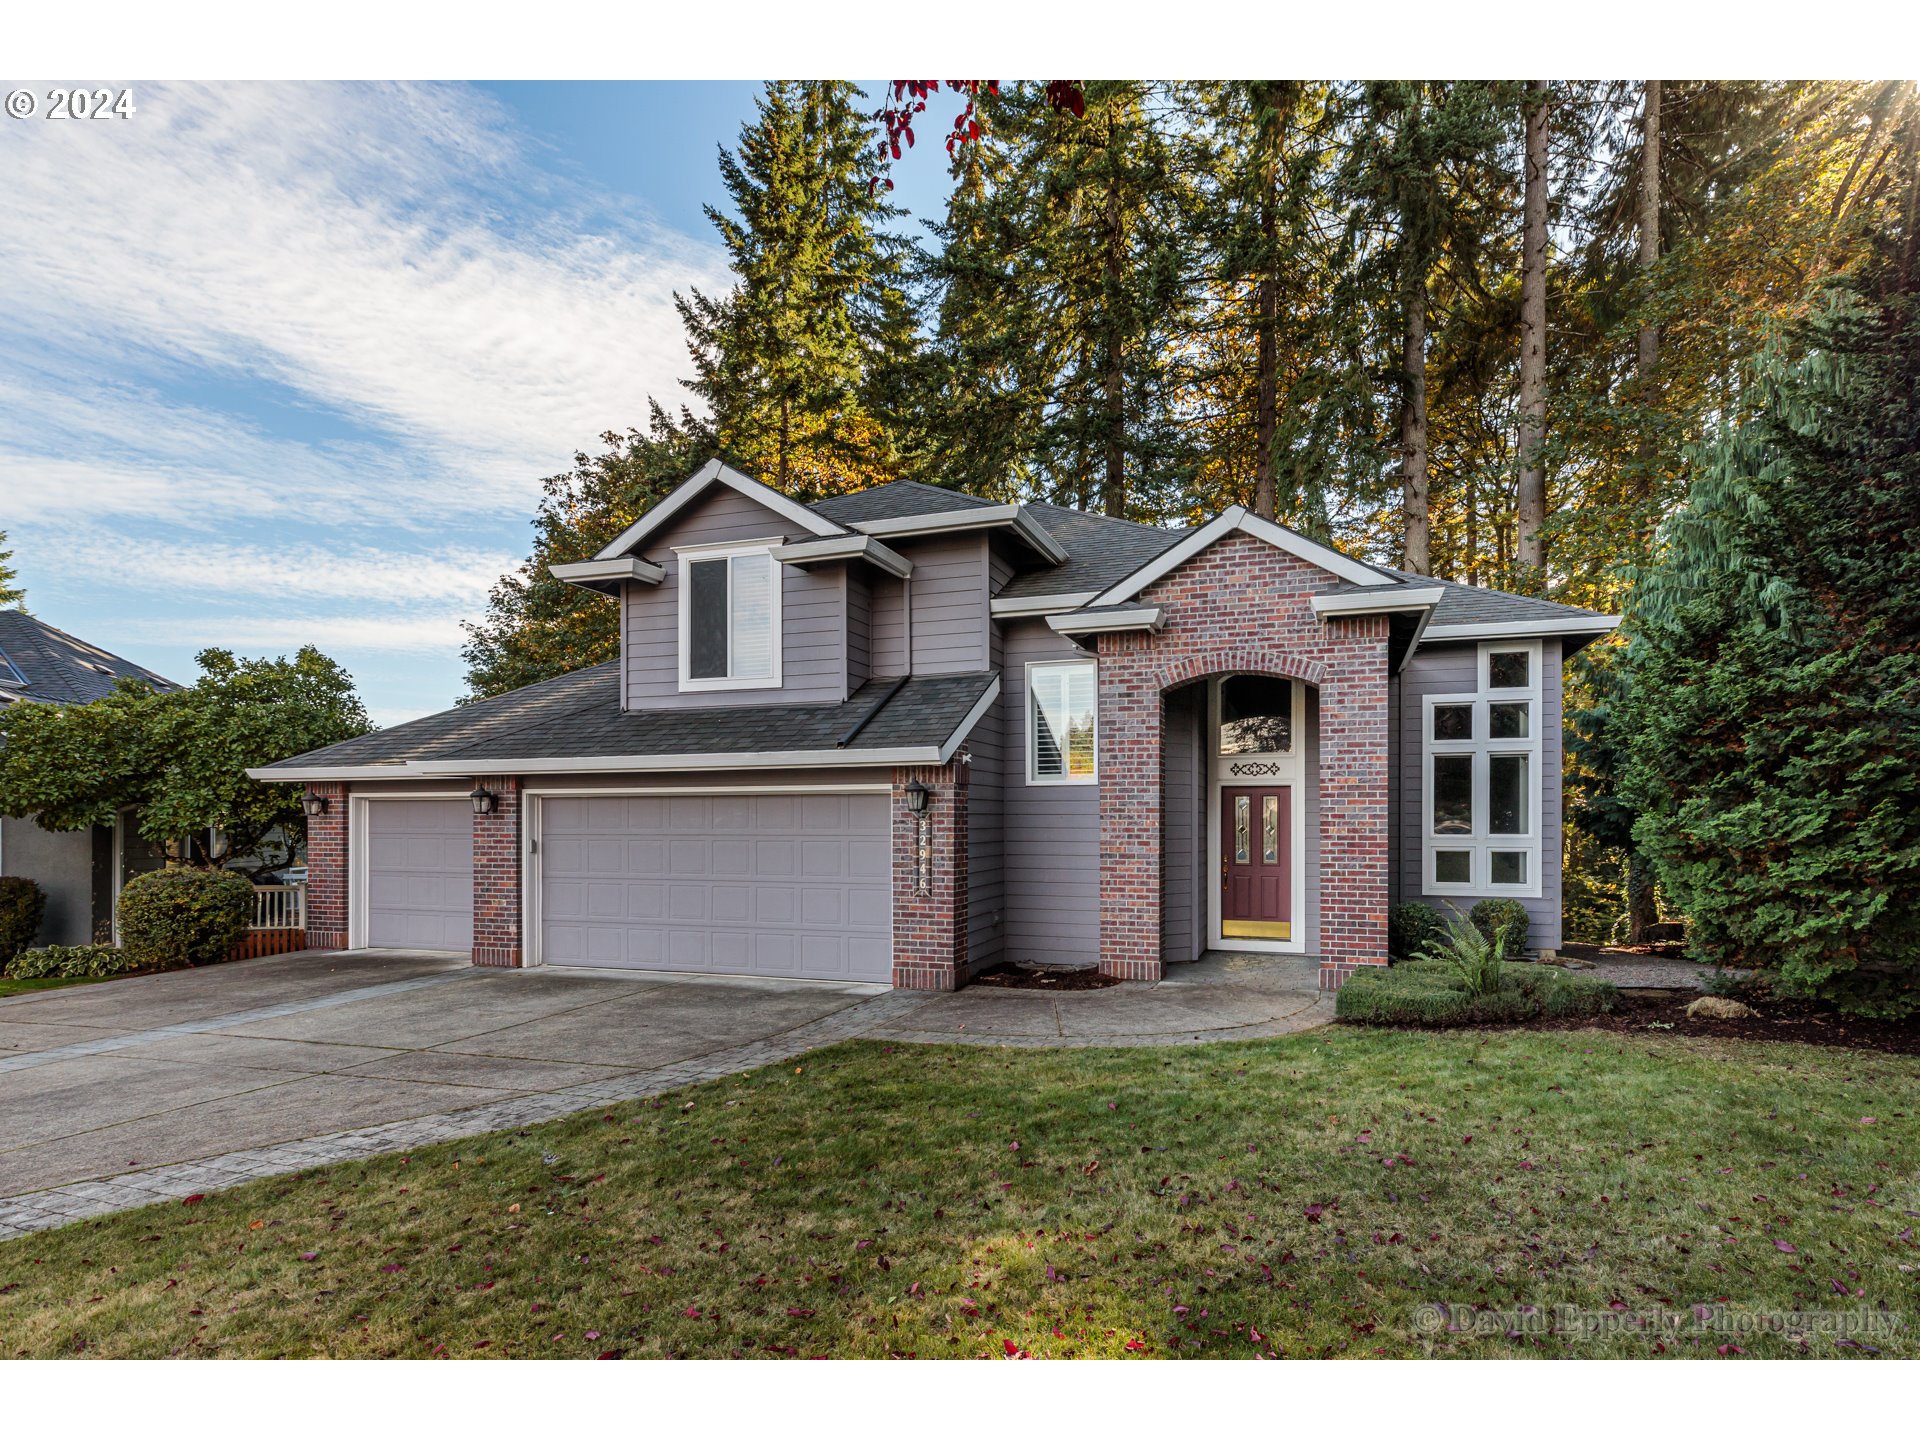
{"x": 1312, "y": 1213}
{"x": 691, "y": 1313}
{"x": 309, "y": 1254}
{"x": 1868, "y": 1120}
{"x": 611, "y": 1354}
{"x": 593, "y": 1335}
{"x": 193, "y": 1199}
{"x": 391, "y": 1269}
{"x": 799, "y": 1313}
{"x": 1013, "y": 1145}
{"x": 1010, "y": 1348}
{"x": 168, "y": 1286}
{"x": 1526, "y": 1164}
{"x": 1731, "y": 1350}
{"x": 1784, "y": 1248}
{"x": 482, "y": 1344}
{"x": 1090, "y": 1167}
{"x": 914, "y": 1288}
{"x": 1136, "y": 1345}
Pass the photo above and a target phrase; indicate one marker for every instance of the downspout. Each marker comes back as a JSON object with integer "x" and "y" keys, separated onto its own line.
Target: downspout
{"x": 871, "y": 711}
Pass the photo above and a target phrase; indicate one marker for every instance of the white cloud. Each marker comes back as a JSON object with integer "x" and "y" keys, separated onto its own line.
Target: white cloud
{"x": 436, "y": 634}
{"x": 386, "y": 252}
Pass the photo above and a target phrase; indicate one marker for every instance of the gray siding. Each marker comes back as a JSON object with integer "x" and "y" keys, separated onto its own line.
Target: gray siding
{"x": 1051, "y": 851}
{"x": 951, "y": 626}
{"x": 1452, "y": 670}
{"x": 887, "y": 625}
{"x": 813, "y": 662}
{"x": 60, "y": 862}
{"x": 1183, "y": 792}
{"x": 859, "y": 604}
{"x": 986, "y": 838}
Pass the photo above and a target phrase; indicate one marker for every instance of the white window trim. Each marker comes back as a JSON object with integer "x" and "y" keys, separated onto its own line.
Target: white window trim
{"x": 1481, "y": 844}
{"x": 687, "y": 554}
{"x": 1033, "y": 777}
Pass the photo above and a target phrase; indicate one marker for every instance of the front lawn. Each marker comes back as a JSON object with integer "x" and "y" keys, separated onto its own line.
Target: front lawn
{"x": 47, "y": 982}
{"x": 1298, "y": 1197}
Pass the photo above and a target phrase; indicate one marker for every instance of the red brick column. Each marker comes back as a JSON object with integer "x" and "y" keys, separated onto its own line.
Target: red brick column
{"x": 1354, "y": 776}
{"x": 930, "y": 930}
{"x": 327, "y": 870}
{"x": 496, "y": 875}
{"x": 1128, "y": 737}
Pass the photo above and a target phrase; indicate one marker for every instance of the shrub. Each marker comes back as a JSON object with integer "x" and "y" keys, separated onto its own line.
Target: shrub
{"x": 69, "y": 962}
{"x": 1430, "y": 993}
{"x": 1412, "y": 927}
{"x": 22, "y": 906}
{"x": 1490, "y": 917}
{"x": 170, "y": 918}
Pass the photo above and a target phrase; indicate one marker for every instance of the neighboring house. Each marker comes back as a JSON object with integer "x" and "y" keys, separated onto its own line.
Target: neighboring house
{"x": 81, "y": 871}
{"x": 903, "y": 734}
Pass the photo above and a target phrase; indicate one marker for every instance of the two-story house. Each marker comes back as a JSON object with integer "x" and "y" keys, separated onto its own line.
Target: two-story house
{"x": 903, "y": 734}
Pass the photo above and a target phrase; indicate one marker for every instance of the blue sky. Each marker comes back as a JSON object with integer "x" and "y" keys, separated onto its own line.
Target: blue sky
{"x": 286, "y": 363}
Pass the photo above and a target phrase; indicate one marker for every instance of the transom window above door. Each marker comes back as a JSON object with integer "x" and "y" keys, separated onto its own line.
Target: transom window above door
{"x": 1256, "y": 715}
{"x": 729, "y": 618}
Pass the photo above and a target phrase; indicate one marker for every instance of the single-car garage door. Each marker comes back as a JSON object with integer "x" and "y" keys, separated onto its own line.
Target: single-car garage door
{"x": 419, "y": 874}
{"x": 793, "y": 885}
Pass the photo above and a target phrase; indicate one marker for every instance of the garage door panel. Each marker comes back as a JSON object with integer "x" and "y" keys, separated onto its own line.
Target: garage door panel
{"x": 750, "y": 884}
{"x": 419, "y": 874}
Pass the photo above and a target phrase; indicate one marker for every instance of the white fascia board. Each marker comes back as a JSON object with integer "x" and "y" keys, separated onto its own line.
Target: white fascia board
{"x": 1360, "y": 602}
{"x": 293, "y": 775}
{"x": 1019, "y": 606}
{"x": 981, "y": 517}
{"x": 1140, "y": 617}
{"x": 601, "y": 572}
{"x": 1227, "y": 522}
{"x": 965, "y": 727}
{"x": 746, "y": 760}
{"x": 696, "y": 484}
{"x": 843, "y": 547}
{"x": 1513, "y": 629}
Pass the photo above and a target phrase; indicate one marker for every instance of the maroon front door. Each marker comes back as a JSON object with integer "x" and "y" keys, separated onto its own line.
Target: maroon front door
{"x": 1256, "y": 863}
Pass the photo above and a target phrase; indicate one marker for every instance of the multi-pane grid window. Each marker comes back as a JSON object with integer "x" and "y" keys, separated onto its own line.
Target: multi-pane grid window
{"x": 1481, "y": 798}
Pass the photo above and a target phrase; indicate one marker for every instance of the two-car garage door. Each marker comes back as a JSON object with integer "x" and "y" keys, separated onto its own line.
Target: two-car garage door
{"x": 761, "y": 884}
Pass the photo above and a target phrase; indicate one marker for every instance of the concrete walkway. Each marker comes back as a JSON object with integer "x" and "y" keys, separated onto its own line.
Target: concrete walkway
{"x": 138, "y": 1091}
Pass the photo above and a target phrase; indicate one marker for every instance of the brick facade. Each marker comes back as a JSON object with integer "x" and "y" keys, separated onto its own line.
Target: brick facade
{"x": 496, "y": 875}
{"x": 930, "y": 931}
{"x": 327, "y": 870}
{"x": 1243, "y": 606}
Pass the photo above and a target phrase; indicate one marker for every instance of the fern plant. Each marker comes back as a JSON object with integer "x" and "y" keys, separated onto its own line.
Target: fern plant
{"x": 1474, "y": 957}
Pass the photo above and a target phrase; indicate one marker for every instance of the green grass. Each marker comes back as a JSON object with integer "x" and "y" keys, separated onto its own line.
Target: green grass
{"x": 49, "y": 982}
{"x": 1299, "y": 1197}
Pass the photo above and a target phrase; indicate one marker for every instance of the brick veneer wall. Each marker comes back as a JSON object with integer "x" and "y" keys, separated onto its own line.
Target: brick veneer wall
{"x": 1243, "y": 605}
{"x": 496, "y": 875}
{"x": 930, "y": 931}
{"x": 327, "y": 870}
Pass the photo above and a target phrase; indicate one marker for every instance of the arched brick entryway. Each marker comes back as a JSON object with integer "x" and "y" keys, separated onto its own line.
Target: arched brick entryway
{"x": 1244, "y": 606}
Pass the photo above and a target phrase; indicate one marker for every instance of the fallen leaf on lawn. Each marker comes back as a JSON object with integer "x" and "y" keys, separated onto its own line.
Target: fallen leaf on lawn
{"x": 256, "y": 1224}
{"x": 193, "y": 1200}
{"x": 799, "y": 1313}
{"x": 1784, "y": 1248}
{"x": 513, "y": 1209}
{"x": 309, "y": 1254}
{"x": 593, "y": 1334}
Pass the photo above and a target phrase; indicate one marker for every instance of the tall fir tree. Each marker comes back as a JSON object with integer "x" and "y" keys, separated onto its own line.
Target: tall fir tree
{"x": 11, "y": 593}
{"x": 801, "y": 364}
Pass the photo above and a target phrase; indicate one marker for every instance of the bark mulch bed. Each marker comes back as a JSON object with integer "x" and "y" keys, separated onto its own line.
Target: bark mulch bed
{"x": 1797, "y": 1021}
{"x": 1012, "y": 976}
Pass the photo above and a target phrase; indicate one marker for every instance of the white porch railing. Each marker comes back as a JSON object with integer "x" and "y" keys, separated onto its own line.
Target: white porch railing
{"x": 280, "y": 907}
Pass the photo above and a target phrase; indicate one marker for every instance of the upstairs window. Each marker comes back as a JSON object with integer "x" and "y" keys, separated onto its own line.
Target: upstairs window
{"x": 1060, "y": 723}
{"x": 729, "y": 619}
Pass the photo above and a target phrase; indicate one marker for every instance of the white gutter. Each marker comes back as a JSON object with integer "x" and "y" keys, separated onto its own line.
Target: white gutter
{"x": 981, "y": 517}
{"x": 1572, "y": 625}
{"x": 1021, "y": 606}
{"x": 622, "y": 567}
{"x": 1361, "y": 602}
{"x": 843, "y": 547}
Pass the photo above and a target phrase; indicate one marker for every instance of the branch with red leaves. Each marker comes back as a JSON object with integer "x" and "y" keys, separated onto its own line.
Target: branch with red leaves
{"x": 910, "y": 99}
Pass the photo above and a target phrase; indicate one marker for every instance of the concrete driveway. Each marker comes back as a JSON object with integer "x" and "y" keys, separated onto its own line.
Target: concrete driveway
{"x": 102, "y": 1080}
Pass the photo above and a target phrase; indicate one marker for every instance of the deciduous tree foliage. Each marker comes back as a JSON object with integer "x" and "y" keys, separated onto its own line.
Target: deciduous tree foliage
{"x": 181, "y": 756}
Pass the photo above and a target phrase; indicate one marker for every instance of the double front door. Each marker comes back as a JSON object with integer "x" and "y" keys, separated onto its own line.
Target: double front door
{"x": 1256, "y": 862}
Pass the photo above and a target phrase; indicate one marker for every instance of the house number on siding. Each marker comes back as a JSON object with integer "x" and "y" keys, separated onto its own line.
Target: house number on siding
{"x": 923, "y": 856}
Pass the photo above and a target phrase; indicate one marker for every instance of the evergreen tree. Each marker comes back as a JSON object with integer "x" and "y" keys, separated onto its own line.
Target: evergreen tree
{"x": 800, "y": 364}
{"x": 11, "y": 594}
{"x": 537, "y": 627}
{"x": 1774, "y": 714}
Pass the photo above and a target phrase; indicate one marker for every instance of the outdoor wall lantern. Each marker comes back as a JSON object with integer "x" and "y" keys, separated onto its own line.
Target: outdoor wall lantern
{"x": 485, "y": 802}
{"x": 917, "y": 797}
{"x": 314, "y": 804}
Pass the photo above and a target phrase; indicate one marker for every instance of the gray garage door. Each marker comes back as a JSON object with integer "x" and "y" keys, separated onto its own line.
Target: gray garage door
{"x": 420, "y": 874}
{"x": 793, "y": 885}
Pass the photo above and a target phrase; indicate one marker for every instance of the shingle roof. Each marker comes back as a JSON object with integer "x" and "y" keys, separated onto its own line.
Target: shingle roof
{"x": 1477, "y": 605}
{"x": 895, "y": 500}
{"x": 1100, "y": 550}
{"x": 38, "y": 662}
{"x": 579, "y": 715}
